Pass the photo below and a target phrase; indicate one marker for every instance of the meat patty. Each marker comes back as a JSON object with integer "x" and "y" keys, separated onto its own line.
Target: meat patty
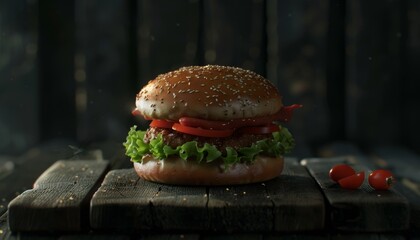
{"x": 174, "y": 139}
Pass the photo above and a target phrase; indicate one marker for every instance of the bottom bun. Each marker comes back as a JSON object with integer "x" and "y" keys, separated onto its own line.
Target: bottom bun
{"x": 180, "y": 172}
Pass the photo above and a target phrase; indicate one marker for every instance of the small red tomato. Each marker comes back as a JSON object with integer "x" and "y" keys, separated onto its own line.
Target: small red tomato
{"x": 341, "y": 171}
{"x": 353, "y": 181}
{"x": 381, "y": 179}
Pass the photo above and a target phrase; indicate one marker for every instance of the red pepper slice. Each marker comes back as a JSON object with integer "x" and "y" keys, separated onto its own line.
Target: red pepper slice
{"x": 158, "y": 123}
{"x": 136, "y": 112}
{"x": 285, "y": 113}
{"x": 202, "y": 132}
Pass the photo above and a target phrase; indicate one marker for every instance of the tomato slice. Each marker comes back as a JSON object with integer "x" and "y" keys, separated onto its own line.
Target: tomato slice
{"x": 202, "y": 132}
{"x": 261, "y": 129}
{"x": 161, "y": 123}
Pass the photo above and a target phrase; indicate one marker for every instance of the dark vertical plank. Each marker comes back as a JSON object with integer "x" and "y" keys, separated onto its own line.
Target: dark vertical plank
{"x": 104, "y": 95}
{"x": 56, "y": 70}
{"x": 166, "y": 40}
{"x": 297, "y": 36}
{"x": 336, "y": 80}
{"x": 168, "y": 37}
{"x": 411, "y": 116}
{"x": 374, "y": 71}
{"x": 19, "y": 103}
{"x": 234, "y": 34}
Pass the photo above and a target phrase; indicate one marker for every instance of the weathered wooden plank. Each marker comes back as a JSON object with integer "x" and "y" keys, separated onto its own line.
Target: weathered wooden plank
{"x": 233, "y": 236}
{"x": 173, "y": 236}
{"x": 297, "y": 236}
{"x": 366, "y": 236}
{"x": 25, "y": 172}
{"x": 60, "y": 198}
{"x": 402, "y": 162}
{"x": 126, "y": 202}
{"x": 405, "y": 164}
{"x": 277, "y": 205}
{"x": 246, "y": 208}
{"x": 95, "y": 236}
{"x": 5, "y": 232}
{"x": 363, "y": 209}
{"x": 298, "y": 202}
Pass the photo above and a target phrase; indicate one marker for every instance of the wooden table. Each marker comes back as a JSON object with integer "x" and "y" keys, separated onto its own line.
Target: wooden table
{"x": 104, "y": 199}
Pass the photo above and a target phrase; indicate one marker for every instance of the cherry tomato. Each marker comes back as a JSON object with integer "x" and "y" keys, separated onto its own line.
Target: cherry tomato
{"x": 202, "y": 132}
{"x": 381, "y": 179}
{"x": 161, "y": 124}
{"x": 341, "y": 171}
{"x": 353, "y": 181}
{"x": 261, "y": 129}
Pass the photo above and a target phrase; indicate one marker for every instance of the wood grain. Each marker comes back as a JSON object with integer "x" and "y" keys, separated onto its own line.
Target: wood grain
{"x": 363, "y": 209}
{"x": 60, "y": 198}
{"x": 277, "y": 205}
{"x": 405, "y": 165}
{"x": 125, "y": 202}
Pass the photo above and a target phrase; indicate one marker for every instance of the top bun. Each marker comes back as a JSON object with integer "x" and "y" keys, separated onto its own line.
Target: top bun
{"x": 208, "y": 92}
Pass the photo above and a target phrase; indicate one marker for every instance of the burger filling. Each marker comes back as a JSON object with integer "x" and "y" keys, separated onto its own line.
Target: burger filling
{"x": 239, "y": 147}
{"x": 174, "y": 139}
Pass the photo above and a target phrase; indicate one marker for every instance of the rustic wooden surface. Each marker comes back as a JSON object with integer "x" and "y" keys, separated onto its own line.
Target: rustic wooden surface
{"x": 127, "y": 203}
{"x": 401, "y": 161}
{"x": 60, "y": 198}
{"x": 277, "y": 205}
{"x": 363, "y": 209}
{"x": 160, "y": 198}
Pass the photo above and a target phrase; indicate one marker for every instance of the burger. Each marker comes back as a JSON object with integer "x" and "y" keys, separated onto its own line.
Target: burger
{"x": 210, "y": 125}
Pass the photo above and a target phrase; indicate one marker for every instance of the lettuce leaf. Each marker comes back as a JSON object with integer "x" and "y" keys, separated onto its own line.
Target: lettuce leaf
{"x": 281, "y": 143}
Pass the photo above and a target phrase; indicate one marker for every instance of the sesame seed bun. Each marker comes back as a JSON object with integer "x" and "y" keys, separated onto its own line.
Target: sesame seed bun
{"x": 180, "y": 172}
{"x": 208, "y": 92}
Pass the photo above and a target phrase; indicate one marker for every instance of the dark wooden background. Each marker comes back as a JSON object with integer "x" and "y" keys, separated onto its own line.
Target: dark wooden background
{"x": 71, "y": 69}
